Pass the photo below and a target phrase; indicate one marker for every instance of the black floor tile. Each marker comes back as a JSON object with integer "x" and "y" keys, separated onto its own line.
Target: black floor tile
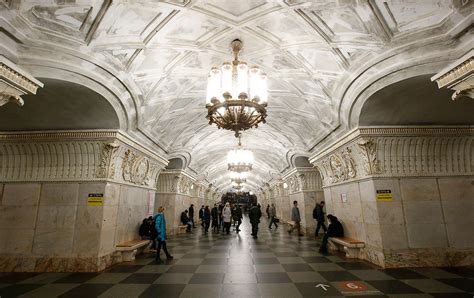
{"x": 403, "y": 273}
{"x": 194, "y": 256}
{"x": 11, "y": 278}
{"x": 464, "y": 284}
{"x": 393, "y": 287}
{"x": 214, "y": 261}
{"x": 273, "y": 277}
{"x": 207, "y": 278}
{"x": 461, "y": 271}
{"x": 17, "y": 290}
{"x": 297, "y": 267}
{"x": 355, "y": 265}
{"x": 86, "y": 290}
{"x": 310, "y": 290}
{"x": 451, "y": 295}
{"x": 183, "y": 269}
{"x": 125, "y": 268}
{"x": 265, "y": 261}
{"x": 316, "y": 260}
{"x": 141, "y": 278}
{"x": 286, "y": 254}
{"x": 338, "y": 275}
{"x": 76, "y": 278}
{"x": 155, "y": 291}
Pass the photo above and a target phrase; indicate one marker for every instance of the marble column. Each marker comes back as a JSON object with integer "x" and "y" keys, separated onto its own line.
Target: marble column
{"x": 407, "y": 192}
{"x": 305, "y": 187}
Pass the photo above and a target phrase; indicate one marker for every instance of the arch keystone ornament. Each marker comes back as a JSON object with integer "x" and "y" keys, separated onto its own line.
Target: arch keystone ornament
{"x": 15, "y": 82}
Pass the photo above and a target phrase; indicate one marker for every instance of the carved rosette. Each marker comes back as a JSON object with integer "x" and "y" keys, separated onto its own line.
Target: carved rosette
{"x": 337, "y": 167}
{"x": 135, "y": 169}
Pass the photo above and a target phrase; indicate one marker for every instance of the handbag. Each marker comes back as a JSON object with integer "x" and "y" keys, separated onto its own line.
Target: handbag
{"x": 276, "y": 220}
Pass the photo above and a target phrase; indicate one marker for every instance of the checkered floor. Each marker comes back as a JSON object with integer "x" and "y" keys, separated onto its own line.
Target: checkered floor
{"x": 216, "y": 265}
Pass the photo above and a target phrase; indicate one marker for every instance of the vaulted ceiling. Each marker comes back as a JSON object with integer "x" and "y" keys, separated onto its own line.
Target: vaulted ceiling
{"x": 155, "y": 57}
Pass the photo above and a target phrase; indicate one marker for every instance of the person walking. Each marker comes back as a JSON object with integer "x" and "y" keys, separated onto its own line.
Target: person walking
{"x": 335, "y": 229}
{"x": 226, "y": 217}
{"x": 268, "y": 211}
{"x": 215, "y": 218}
{"x": 318, "y": 215}
{"x": 272, "y": 212}
{"x": 296, "y": 218}
{"x": 237, "y": 217}
{"x": 191, "y": 214}
{"x": 160, "y": 226}
{"x": 254, "y": 214}
{"x": 201, "y": 214}
{"x": 206, "y": 218}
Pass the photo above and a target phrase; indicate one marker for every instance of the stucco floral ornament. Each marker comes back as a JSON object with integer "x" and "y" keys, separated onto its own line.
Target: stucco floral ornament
{"x": 135, "y": 169}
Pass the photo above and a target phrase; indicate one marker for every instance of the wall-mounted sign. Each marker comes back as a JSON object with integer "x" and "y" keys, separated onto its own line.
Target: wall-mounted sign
{"x": 344, "y": 197}
{"x": 95, "y": 199}
{"x": 384, "y": 195}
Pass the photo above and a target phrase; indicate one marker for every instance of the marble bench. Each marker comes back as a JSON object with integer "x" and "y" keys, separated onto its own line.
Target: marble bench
{"x": 182, "y": 229}
{"x": 130, "y": 249}
{"x": 351, "y": 246}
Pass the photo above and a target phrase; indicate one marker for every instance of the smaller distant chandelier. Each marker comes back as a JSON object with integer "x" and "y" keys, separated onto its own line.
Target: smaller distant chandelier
{"x": 237, "y": 186}
{"x": 238, "y": 178}
{"x": 240, "y": 160}
{"x": 236, "y": 95}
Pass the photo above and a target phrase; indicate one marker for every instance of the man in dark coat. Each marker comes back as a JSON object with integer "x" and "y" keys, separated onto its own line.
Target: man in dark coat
{"x": 191, "y": 214}
{"x": 254, "y": 214}
{"x": 185, "y": 220}
{"x": 318, "y": 214}
{"x": 335, "y": 229}
{"x": 215, "y": 218}
{"x": 237, "y": 215}
{"x": 148, "y": 232}
{"x": 201, "y": 215}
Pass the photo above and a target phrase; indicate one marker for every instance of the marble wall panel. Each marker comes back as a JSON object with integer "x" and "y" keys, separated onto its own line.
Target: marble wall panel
{"x": 21, "y": 194}
{"x": 112, "y": 194}
{"x": 107, "y": 240}
{"x": 18, "y": 217}
{"x": 373, "y": 235}
{"x": 86, "y": 242}
{"x": 370, "y": 212}
{"x": 459, "y": 211}
{"x": 390, "y": 212}
{"x": 89, "y": 188}
{"x": 56, "y": 217}
{"x": 387, "y": 184}
{"x": 426, "y": 235}
{"x": 420, "y": 189}
{"x": 89, "y": 217}
{"x": 59, "y": 194}
{"x": 16, "y": 241}
{"x": 460, "y": 235}
{"x": 110, "y": 216}
{"x": 52, "y": 242}
{"x": 456, "y": 188}
{"x": 393, "y": 236}
{"x": 420, "y": 212}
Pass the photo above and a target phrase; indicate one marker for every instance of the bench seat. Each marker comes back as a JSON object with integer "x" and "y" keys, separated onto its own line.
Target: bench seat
{"x": 182, "y": 228}
{"x": 129, "y": 249}
{"x": 351, "y": 246}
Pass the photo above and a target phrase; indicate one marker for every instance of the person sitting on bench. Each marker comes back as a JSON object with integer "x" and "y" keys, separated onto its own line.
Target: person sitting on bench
{"x": 186, "y": 221}
{"x": 335, "y": 229}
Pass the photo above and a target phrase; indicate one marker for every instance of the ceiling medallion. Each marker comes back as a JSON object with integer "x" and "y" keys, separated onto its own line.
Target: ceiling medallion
{"x": 236, "y": 95}
{"x": 240, "y": 160}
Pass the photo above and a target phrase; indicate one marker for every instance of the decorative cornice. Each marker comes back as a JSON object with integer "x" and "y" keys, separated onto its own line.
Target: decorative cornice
{"x": 77, "y": 156}
{"x": 15, "y": 82}
{"x": 458, "y": 76}
{"x": 398, "y": 152}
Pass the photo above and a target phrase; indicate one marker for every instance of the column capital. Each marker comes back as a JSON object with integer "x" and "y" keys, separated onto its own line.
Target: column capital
{"x": 458, "y": 76}
{"x": 176, "y": 181}
{"x": 15, "y": 82}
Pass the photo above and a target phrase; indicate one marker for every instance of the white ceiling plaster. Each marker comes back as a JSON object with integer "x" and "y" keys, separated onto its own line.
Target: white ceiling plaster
{"x": 165, "y": 49}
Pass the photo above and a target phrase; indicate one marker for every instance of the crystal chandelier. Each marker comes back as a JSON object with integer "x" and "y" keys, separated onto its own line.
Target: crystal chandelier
{"x": 236, "y": 95}
{"x": 240, "y": 160}
{"x": 238, "y": 178}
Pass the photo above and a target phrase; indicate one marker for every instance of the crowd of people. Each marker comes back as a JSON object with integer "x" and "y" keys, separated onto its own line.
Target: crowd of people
{"x": 222, "y": 216}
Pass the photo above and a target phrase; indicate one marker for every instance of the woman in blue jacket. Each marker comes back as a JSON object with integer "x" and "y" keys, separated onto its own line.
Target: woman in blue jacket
{"x": 160, "y": 225}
